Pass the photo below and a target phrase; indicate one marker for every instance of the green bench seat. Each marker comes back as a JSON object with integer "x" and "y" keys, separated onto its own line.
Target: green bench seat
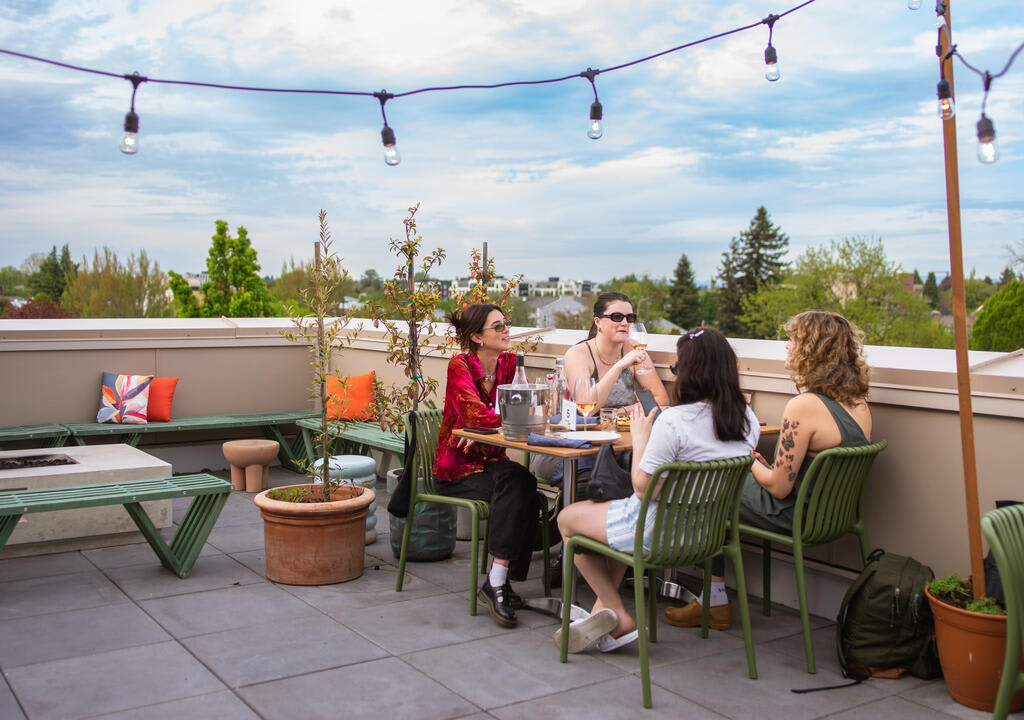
{"x": 269, "y": 423}
{"x": 209, "y": 493}
{"x": 354, "y": 438}
{"x": 54, "y": 435}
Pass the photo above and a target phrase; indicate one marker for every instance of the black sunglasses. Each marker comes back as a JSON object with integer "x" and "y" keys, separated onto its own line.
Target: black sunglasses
{"x": 500, "y": 326}
{"x": 619, "y": 317}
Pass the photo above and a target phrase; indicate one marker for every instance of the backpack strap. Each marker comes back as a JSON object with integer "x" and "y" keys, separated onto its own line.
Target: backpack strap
{"x": 870, "y": 566}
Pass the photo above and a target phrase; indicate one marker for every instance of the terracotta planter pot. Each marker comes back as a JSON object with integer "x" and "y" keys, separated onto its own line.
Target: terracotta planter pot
{"x": 972, "y": 647}
{"x": 315, "y": 543}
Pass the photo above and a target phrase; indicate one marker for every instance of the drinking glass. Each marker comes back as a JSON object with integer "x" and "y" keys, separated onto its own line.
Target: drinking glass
{"x": 638, "y": 339}
{"x": 585, "y": 395}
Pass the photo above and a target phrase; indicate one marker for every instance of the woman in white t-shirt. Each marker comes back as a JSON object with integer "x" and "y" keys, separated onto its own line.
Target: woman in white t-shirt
{"x": 709, "y": 420}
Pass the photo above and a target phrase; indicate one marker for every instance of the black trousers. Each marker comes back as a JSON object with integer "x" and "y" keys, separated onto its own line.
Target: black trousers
{"x": 511, "y": 490}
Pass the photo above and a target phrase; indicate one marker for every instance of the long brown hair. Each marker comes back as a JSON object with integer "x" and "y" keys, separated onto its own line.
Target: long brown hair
{"x": 707, "y": 369}
{"x": 827, "y": 356}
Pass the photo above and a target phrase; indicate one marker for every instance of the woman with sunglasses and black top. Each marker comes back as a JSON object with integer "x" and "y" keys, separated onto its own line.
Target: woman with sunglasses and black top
{"x": 483, "y": 472}
{"x": 607, "y": 356}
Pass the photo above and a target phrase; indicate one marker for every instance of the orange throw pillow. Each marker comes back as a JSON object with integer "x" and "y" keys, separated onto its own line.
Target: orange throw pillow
{"x": 350, "y": 398}
{"x": 161, "y": 395}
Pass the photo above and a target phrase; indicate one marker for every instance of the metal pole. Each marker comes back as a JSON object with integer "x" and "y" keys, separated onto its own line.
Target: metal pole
{"x": 963, "y": 370}
{"x": 483, "y": 267}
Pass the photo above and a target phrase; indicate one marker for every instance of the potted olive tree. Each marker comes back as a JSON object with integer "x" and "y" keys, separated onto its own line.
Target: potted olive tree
{"x": 314, "y": 534}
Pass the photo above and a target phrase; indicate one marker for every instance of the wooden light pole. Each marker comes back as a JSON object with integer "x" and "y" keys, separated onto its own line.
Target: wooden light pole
{"x": 963, "y": 370}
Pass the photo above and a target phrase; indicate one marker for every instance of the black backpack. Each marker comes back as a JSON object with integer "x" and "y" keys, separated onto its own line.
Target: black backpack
{"x": 885, "y": 622}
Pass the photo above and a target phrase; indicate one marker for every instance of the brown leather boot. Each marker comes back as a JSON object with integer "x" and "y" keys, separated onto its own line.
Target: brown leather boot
{"x": 690, "y": 615}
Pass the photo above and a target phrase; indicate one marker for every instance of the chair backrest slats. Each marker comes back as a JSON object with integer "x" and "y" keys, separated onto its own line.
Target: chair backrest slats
{"x": 831, "y": 495}
{"x": 696, "y": 503}
{"x": 428, "y": 427}
{"x": 1004, "y": 530}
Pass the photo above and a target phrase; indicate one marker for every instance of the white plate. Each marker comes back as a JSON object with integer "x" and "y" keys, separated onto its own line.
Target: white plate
{"x": 595, "y": 436}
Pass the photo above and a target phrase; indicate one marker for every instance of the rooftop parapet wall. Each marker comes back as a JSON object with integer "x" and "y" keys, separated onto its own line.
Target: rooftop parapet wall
{"x": 50, "y": 372}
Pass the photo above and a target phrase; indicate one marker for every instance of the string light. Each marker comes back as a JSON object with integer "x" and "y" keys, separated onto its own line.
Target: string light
{"x": 947, "y": 107}
{"x": 130, "y": 140}
{"x": 771, "y": 58}
{"x": 387, "y": 135}
{"x": 988, "y": 153}
{"x": 596, "y": 129}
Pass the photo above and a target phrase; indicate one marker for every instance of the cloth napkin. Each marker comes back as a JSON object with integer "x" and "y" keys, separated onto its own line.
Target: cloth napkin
{"x": 537, "y": 439}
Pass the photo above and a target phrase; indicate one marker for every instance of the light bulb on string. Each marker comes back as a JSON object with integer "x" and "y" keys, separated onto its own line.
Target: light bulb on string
{"x": 596, "y": 128}
{"x": 771, "y": 62}
{"x": 914, "y": 4}
{"x": 391, "y": 154}
{"x": 988, "y": 153}
{"x": 947, "y": 106}
{"x": 387, "y": 135}
{"x": 771, "y": 57}
{"x": 129, "y": 144}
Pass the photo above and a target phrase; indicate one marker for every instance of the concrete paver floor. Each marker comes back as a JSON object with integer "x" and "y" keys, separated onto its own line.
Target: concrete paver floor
{"x": 109, "y": 633}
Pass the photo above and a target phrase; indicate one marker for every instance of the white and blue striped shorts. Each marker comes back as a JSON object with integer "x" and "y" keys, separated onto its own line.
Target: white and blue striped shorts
{"x": 621, "y": 523}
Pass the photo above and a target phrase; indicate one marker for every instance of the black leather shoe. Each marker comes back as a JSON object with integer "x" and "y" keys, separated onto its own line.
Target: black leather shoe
{"x": 498, "y": 602}
{"x": 514, "y": 599}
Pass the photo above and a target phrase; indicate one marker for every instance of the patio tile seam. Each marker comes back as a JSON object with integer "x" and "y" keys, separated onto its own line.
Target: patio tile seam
{"x": 13, "y": 694}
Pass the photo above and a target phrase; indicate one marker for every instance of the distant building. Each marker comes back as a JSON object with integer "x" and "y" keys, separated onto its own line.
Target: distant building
{"x": 460, "y": 286}
{"x": 545, "y": 310}
{"x": 555, "y": 287}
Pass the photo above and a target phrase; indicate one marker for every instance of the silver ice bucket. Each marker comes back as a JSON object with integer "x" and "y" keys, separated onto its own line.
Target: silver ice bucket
{"x": 522, "y": 409}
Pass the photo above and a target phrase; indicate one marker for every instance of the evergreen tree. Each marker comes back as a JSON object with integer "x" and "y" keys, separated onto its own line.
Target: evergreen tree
{"x": 1007, "y": 277}
{"x": 1000, "y": 326}
{"x": 917, "y": 277}
{"x": 53, "y": 274}
{"x": 931, "y": 291}
{"x": 235, "y": 288}
{"x": 684, "y": 307}
{"x": 754, "y": 261}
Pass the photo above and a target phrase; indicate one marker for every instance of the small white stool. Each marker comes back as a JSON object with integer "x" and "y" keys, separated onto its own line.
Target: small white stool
{"x": 359, "y": 470}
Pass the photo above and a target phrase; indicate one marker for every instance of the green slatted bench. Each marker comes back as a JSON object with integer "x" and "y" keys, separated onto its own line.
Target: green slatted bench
{"x": 269, "y": 422}
{"x": 52, "y": 434}
{"x": 351, "y": 438}
{"x": 209, "y": 493}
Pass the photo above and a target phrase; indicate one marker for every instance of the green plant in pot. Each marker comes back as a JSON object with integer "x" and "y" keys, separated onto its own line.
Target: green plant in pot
{"x": 970, "y": 633}
{"x": 314, "y": 533}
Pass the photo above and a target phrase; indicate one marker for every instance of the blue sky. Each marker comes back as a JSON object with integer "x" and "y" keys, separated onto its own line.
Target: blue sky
{"x": 846, "y": 143}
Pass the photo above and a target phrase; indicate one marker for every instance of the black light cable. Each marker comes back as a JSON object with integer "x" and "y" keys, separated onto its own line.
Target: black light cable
{"x": 130, "y": 140}
{"x": 596, "y": 129}
{"x": 771, "y": 57}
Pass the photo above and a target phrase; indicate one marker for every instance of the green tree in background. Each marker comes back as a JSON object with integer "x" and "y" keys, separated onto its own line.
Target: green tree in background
{"x": 684, "y": 306}
{"x": 136, "y": 289}
{"x": 1006, "y": 277}
{"x": 49, "y": 280}
{"x": 854, "y": 277}
{"x": 235, "y": 288}
{"x": 13, "y": 282}
{"x": 754, "y": 261}
{"x": 917, "y": 278}
{"x": 931, "y": 291}
{"x": 649, "y": 295}
{"x": 1000, "y": 325}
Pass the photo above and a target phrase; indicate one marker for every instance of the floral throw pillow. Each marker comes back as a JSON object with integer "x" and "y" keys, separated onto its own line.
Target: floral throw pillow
{"x": 124, "y": 398}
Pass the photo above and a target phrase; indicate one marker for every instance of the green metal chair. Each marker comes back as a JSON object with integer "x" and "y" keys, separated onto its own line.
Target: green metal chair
{"x": 428, "y": 427}
{"x": 699, "y": 503}
{"x": 829, "y": 504}
{"x": 1004, "y": 530}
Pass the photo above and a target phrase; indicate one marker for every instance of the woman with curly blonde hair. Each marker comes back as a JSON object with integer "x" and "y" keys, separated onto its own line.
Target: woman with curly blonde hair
{"x": 824, "y": 358}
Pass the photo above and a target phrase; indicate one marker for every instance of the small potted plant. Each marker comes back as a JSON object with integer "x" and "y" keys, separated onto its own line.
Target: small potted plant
{"x": 314, "y": 534}
{"x": 971, "y": 638}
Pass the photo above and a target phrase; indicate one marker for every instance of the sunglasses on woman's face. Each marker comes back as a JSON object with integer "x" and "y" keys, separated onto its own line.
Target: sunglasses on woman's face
{"x": 619, "y": 317}
{"x": 500, "y": 326}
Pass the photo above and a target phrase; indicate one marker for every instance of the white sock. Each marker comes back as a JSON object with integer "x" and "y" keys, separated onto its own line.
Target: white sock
{"x": 718, "y": 594}
{"x": 498, "y": 575}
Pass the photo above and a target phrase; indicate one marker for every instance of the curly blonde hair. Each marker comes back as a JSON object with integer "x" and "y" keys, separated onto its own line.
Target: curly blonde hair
{"x": 827, "y": 356}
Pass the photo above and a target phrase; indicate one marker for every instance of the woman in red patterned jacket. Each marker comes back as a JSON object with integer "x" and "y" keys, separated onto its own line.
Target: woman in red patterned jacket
{"x": 484, "y": 472}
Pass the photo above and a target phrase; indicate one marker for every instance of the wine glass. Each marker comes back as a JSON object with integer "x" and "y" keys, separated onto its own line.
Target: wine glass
{"x": 585, "y": 395}
{"x": 638, "y": 339}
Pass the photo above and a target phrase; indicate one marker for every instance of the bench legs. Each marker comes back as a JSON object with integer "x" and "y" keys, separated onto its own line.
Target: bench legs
{"x": 181, "y": 554}
{"x": 290, "y": 454}
{"x": 7, "y": 525}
